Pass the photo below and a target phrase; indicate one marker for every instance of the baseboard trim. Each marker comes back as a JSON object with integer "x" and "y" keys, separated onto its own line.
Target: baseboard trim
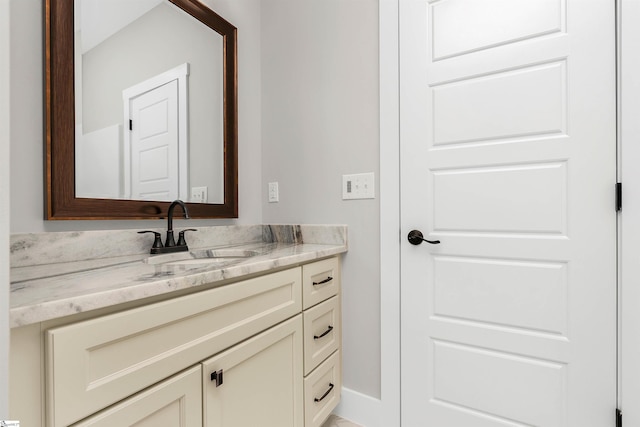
{"x": 359, "y": 408}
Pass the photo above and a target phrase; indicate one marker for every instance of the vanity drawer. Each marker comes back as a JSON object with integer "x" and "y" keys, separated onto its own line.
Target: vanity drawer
{"x": 95, "y": 363}
{"x": 322, "y": 391}
{"x": 320, "y": 281}
{"x": 321, "y": 332}
{"x": 176, "y": 401}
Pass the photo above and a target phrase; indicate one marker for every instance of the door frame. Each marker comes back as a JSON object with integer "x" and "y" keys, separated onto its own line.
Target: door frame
{"x": 629, "y": 218}
{"x": 390, "y": 233}
{"x": 179, "y": 73}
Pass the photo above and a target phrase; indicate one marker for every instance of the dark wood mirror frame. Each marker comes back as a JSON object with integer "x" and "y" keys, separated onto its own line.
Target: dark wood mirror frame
{"x": 61, "y": 201}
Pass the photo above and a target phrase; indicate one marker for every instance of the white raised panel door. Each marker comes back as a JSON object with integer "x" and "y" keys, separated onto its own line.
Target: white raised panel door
{"x": 508, "y": 158}
{"x": 154, "y": 144}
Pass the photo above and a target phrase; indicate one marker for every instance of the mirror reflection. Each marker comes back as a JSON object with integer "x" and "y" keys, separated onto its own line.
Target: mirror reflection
{"x": 149, "y": 101}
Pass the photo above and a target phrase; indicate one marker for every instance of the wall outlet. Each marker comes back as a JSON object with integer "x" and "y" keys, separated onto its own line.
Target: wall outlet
{"x": 358, "y": 186}
{"x": 274, "y": 194}
{"x": 198, "y": 194}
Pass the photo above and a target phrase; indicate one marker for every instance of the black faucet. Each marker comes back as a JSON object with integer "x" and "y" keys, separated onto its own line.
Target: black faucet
{"x": 170, "y": 244}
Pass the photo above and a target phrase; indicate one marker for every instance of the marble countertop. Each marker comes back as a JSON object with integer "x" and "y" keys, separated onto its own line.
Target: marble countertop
{"x": 49, "y": 291}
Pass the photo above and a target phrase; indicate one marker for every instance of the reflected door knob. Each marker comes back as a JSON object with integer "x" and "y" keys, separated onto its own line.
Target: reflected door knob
{"x": 415, "y": 237}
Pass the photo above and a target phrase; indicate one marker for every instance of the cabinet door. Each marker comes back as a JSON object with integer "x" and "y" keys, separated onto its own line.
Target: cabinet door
{"x": 174, "y": 402}
{"x": 257, "y": 383}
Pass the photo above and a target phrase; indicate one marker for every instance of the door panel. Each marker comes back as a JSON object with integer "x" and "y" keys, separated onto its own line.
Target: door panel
{"x": 526, "y": 389}
{"x": 501, "y": 199}
{"x": 504, "y": 105}
{"x": 154, "y": 144}
{"x": 531, "y": 296}
{"x": 507, "y": 116}
{"x": 460, "y": 27}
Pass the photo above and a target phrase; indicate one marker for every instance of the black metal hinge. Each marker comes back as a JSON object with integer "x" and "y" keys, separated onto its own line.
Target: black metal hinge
{"x": 130, "y": 124}
{"x": 618, "y": 196}
{"x": 618, "y": 417}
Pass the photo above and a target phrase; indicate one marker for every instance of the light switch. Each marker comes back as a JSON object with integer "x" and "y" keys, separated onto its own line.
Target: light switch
{"x": 358, "y": 186}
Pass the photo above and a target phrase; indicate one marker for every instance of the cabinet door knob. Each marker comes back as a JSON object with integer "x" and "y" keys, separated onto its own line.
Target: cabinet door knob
{"x": 217, "y": 377}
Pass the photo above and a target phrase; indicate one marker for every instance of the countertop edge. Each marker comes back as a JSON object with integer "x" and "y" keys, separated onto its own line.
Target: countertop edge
{"x": 45, "y": 311}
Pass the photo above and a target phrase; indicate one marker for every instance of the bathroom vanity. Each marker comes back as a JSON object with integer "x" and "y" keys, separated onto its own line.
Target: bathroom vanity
{"x": 249, "y": 336}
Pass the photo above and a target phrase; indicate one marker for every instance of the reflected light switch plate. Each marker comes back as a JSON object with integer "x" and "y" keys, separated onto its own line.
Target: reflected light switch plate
{"x": 274, "y": 194}
{"x": 198, "y": 195}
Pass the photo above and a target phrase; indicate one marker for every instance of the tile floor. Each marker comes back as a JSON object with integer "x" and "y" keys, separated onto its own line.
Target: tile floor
{"x": 335, "y": 421}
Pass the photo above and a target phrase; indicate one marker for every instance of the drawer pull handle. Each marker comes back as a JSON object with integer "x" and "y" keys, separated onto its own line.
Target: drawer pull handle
{"x": 217, "y": 377}
{"x": 322, "y": 282}
{"x": 317, "y": 337}
{"x": 325, "y": 394}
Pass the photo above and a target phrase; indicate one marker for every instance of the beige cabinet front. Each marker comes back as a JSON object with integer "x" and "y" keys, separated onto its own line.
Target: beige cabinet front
{"x": 322, "y": 390}
{"x": 96, "y": 363}
{"x": 174, "y": 402}
{"x": 257, "y": 383}
{"x": 321, "y": 332}
{"x": 245, "y": 354}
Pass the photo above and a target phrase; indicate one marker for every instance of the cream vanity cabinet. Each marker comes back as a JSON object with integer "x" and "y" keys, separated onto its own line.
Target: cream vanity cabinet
{"x": 259, "y": 352}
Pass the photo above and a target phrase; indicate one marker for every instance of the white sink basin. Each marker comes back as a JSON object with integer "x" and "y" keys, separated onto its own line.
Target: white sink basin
{"x": 202, "y": 256}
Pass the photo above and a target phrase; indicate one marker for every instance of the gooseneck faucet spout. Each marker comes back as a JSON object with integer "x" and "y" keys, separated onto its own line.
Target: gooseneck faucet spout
{"x": 170, "y": 244}
{"x": 170, "y": 239}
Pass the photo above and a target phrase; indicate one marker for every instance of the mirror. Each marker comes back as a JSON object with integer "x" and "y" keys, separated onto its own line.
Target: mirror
{"x": 92, "y": 142}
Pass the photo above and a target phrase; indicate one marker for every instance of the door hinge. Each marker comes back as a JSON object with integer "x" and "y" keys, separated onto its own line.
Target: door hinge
{"x": 618, "y": 196}
{"x": 618, "y": 417}
{"x": 130, "y": 124}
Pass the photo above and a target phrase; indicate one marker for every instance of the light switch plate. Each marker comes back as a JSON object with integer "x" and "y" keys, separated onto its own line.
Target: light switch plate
{"x": 274, "y": 194}
{"x": 358, "y": 186}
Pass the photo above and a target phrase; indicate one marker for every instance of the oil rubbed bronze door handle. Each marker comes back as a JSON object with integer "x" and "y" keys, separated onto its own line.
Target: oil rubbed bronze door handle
{"x": 415, "y": 237}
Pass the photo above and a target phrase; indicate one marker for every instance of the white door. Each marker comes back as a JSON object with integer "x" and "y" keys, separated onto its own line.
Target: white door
{"x": 507, "y": 116}
{"x": 154, "y": 144}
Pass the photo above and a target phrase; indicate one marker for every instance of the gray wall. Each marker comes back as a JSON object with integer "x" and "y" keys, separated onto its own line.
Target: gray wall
{"x": 5, "y": 124}
{"x": 320, "y": 121}
{"x": 144, "y": 49}
{"x": 26, "y": 65}
{"x": 308, "y": 113}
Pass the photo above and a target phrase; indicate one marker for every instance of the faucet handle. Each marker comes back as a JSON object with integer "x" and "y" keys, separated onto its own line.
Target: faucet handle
{"x": 181, "y": 241}
{"x": 158, "y": 240}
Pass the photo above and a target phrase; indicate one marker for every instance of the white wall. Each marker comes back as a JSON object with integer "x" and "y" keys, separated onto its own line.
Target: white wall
{"x": 320, "y": 121}
{"x": 4, "y": 209}
{"x": 26, "y": 103}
